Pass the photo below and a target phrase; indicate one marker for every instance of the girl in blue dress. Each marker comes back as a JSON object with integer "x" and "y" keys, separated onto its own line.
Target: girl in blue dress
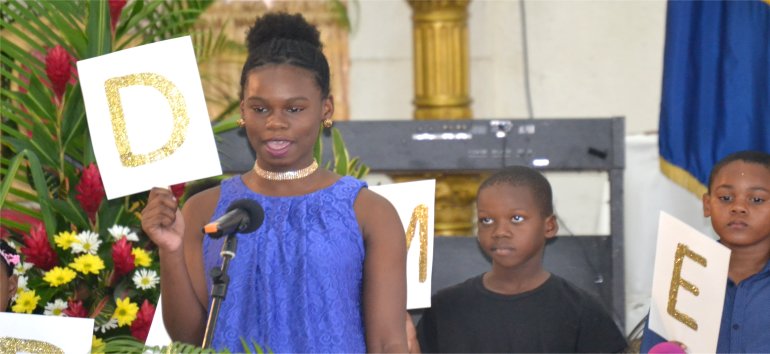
{"x": 326, "y": 270}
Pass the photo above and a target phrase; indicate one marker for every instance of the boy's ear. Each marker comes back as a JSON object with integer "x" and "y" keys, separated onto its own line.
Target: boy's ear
{"x": 706, "y": 206}
{"x": 551, "y": 226}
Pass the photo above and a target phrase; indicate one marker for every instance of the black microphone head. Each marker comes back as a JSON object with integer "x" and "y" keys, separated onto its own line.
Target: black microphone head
{"x": 253, "y": 209}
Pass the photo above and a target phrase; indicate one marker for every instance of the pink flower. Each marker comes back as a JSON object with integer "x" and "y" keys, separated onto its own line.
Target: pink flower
{"x": 37, "y": 250}
{"x": 75, "y": 309}
{"x": 116, "y": 7}
{"x": 90, "y": 190}
{"x": 58, "y": 67}
{"x": 122, "y": 257}
{"x": 141, "y": 325}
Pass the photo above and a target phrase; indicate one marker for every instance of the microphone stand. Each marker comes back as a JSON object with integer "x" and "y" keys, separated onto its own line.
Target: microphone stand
{"x": 220, "y": 281}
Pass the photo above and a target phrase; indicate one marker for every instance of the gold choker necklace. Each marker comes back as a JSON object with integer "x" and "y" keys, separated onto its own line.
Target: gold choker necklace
{"x": 285, "y": 176}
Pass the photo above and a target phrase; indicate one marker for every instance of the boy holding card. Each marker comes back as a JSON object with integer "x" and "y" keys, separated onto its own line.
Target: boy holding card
{"x": 517, "y": 306}
{"x": 738, "y": 202}
{"x": 326, "y": 271}
{"x": 8, "y": 282}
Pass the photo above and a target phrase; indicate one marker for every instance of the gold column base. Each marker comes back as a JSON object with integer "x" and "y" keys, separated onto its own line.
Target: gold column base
{"x": 455, "y": 201}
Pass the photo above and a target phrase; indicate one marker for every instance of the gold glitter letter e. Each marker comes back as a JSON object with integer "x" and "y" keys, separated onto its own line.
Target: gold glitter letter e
{"x": 677, "y": 281}
{"x": 419, "y": 214}
{"x": 178, "y": 110}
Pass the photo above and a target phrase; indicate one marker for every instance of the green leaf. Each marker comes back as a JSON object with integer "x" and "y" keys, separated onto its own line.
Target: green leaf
{"x": 341, "y": 157}
{"x": 39, "y": 185}
{"x": 73, "y": 118}
{"x": 98, "y": 29}
{"x": 71, "y": 212}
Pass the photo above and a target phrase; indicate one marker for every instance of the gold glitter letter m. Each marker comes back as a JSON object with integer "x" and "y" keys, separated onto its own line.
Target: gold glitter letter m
{"x": 419, "y": 214}
{"x": 178, "y": 110}
{"x": 677, "y": 281}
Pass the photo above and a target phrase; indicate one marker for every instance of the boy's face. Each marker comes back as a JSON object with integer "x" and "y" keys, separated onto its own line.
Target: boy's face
{"x": 739, "y": 205}
{"x": 511, "y": 227}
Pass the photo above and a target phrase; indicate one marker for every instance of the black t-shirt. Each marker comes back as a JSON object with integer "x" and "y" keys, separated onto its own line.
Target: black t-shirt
{"x": 556, "y": 317}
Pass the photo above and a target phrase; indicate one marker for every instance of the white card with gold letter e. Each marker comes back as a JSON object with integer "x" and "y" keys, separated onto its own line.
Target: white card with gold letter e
{"x": 688, "y": 286}
{"x": 414, "y": 203}
{"x": 147, "y": 117}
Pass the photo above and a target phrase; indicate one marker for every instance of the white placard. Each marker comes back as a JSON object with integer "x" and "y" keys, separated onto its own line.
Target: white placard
{"x": 415, "y": 204}
{"x": 158, "y": 336}
{"x": 147, "y": 117}
{"x": 68, "y": 334}
{"x": 688, "y": 286}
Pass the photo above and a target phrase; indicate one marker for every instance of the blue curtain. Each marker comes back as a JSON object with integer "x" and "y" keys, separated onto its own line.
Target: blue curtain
{"x": 716, "y": 86}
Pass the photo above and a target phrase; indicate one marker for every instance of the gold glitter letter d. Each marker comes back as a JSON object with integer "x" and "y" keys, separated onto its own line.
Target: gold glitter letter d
{"x": 419, "y": 214}
{"x": 178, "y": 110}
{"x": 677, "y": 281}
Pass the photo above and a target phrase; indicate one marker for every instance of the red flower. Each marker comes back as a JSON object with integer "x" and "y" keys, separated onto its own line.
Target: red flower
{"x": 116, "y": 7}
{"x": 178, "y": 190}
{"x": 75, "y": 309}
{"x": 18, "y": 217}
{"x": 38, "y": 250}
{"x": 122, "y": 257}
{"x": 141, "y": 325}
{"x": 58, "y": 67}
{"x": 90, "y": 190}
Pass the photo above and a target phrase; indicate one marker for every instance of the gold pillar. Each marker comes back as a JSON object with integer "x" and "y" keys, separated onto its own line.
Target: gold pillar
{"x": 441, "y": 89}
{"x": 440, "y": 31}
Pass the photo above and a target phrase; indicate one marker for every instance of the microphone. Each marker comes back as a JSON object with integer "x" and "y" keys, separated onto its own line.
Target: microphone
{"x": 242, "y": 216}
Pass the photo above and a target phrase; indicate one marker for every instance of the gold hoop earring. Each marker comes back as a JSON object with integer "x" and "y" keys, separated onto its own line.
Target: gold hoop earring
{"x": 241, "y": 122}
{"x": 328, "y": 123}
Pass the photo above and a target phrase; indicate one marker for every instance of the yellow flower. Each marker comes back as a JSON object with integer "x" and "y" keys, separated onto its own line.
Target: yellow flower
{"x": 125, "y": 311}
{"x": 97, "y": 345}
{"x": 141, "y": 258}
{"x": 26, "y": 302}
{"x": 65, "y": 239}
{"x": 87, "y": 263}
{"x": 59, "y": 276}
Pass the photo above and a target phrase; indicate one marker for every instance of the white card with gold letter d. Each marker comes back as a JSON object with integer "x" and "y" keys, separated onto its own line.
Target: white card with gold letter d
{"x": 147, "y": 117}
{"x": 688, "y": 286}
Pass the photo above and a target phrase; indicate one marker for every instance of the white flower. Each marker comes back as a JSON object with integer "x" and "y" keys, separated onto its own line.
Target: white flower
{"x": 118, "y": 231}
{"x": 145, "y": 279}
{"x": 21, "y": 284}
{"x": 110, "y": 324}
{"x": 55, "y": 308}
{"x": 22, "y": 268}
{"x": 88, "y": 242}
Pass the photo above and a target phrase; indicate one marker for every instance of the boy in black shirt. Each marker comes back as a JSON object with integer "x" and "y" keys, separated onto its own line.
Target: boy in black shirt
{"x": 517, "y": 306}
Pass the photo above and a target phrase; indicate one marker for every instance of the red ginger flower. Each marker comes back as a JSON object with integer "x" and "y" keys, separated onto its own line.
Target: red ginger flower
{"x": 75, "y": 309}
{"x": 122, "y": 257}
{"x": 90, "y": 190}
{"x": 37, "y": 250}
{"x": 178, "y": 190}
{"x": 141, "y": 325}
{"x": 116, "y": 7}
{"x": 58, "y": 67}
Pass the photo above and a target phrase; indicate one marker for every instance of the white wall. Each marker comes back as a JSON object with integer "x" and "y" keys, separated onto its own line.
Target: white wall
{"x": 587, "y": 59}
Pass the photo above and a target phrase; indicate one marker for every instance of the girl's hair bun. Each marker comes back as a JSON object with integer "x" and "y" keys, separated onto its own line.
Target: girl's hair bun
{"x": 276, "y": 26}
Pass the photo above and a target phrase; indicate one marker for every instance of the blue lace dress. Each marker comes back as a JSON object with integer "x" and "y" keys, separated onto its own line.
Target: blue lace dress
{"x": 296, "y": 282}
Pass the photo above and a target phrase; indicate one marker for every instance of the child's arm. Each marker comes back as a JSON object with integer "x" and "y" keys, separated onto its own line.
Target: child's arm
{"x": 412, "y": 342}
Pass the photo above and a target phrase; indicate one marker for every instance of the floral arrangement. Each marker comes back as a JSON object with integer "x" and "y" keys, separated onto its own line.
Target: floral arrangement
{"x": 81, "y": 254}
